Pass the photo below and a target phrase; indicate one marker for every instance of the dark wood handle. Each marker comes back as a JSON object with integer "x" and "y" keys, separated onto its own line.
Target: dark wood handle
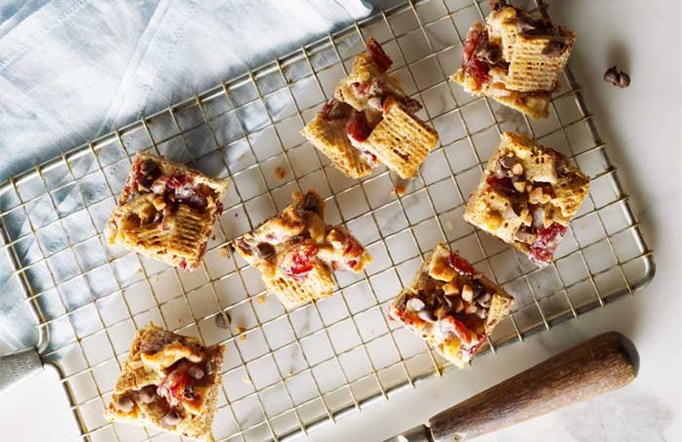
{"x": 604, "y": 363}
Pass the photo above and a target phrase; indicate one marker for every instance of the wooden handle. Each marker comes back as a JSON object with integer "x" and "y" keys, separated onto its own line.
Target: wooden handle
{"x": 604, "y": 363}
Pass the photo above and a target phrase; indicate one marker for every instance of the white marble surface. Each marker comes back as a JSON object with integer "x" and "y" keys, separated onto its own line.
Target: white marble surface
{"x": 643, "y": 125}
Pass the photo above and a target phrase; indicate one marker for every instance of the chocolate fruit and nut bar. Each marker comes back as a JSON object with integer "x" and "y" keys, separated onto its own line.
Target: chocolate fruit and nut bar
{"x": 166, "y": 211}
{"x": 169, "y": 382}
{"x": 515, "y": 58}
{"x": 371, "y": 121}
{"x": 451, "y": 305}
{"x": 296, "y": 251}
{"x": 527, "y": 196}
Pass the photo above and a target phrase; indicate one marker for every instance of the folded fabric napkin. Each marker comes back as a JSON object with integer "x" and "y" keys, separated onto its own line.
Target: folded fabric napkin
{"x": 71, "y": 70}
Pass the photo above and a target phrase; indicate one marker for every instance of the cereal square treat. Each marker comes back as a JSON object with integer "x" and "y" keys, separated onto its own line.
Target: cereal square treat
{"x": 166, "y": 211}
{"x": 515, "y": 58}
{"x": 527, "y": 196}
{"x": 169, "y": 382}
{"x": 370, "y": 121}
{"x": 296, "y": 251}
{"x": 451, "y": 305}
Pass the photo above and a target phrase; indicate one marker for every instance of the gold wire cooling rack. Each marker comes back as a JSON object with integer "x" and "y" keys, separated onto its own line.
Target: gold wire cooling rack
{"x": 287, "y": 372}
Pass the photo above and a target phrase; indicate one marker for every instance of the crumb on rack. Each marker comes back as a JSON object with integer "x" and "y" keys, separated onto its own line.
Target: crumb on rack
{"x": 261, "y": 299}
{"x": 400, "y": 187}
{"x": 247, "y": 380}
{"x": 280, "y": 172}
{"x": 223, "y": 252}
{"x": 240, "y": 331}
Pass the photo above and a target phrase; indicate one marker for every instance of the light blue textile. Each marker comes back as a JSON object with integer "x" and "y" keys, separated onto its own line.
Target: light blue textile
{"x": 71, "y": 70}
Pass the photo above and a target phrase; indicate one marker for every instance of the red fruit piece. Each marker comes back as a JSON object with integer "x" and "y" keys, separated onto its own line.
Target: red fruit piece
{"x": 548, "y": 239}
{"x": 172, "y": 388}
{"x": 461, "y": 265}
{"x": 504, "y": 185}
{"x": 298, "y": 260}
{"x": 334, "y": 110}
{"x": 470, "y": 44}
{"x": 382, "y": 60}
{"x": 471, "y": 62}
{"x": 358, "y": 129}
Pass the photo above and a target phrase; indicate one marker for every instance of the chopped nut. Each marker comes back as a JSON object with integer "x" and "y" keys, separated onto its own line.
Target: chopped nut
{"x": 517, "y": 169}
{"x": 471, "y": 309}
{"x": 240, "y": 330}
{"x": 467, "y": 293}
{"x": 450, "y": 288}
{"x": 519, "y": 185}
{"x": 509, "y": 213}
{"x": 535, "y": 196}
{"x": 280, "y": 172}
{"x": 415, "y": 304}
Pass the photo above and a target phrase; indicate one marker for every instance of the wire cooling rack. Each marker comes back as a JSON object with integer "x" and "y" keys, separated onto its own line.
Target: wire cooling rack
{"x": 287, "y": 372}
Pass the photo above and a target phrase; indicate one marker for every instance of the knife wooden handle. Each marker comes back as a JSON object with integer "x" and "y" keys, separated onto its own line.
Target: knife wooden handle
{"x": 604, "y": 363}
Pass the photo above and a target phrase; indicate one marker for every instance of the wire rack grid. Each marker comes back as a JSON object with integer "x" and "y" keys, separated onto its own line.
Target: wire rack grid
{"x": 286, "y": 372}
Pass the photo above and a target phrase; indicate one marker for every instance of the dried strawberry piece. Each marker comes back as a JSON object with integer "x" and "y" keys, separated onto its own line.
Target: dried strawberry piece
{"x": 382, "y": 60}
{"x": 358, "y": 128}
{"x": 461, "y": 265}
{"x": 298, "y": 261}
{"x": 504, "y": 185}
{"x": 173, "y": 387}
{"x": 478, "y": 68}
{"x": 334, "y": 110}
{"x": 546, "y": 243}
{"x": 474, "y": 65}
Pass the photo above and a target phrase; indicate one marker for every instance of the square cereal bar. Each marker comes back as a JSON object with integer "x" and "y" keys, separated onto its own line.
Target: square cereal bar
{"x": 169, "y": 382}
{"x": 451, "y": 305}
{"x": 515, "y": 58}
{"x": 527, "y": 196}
{"x": 166, "y": 211}
{"x": 296, "y": 251}
{"x": 370, "y": 121}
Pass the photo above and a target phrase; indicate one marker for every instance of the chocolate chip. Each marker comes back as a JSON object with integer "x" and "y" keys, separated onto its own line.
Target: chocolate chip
{"x": 491, "y": 54}
{"x": 223, "y": 321}
{"x": 265, "y": 250}
{"x": 508, "y": 160}
{"x": 149, "y": 171}
{"x": 125, "y": 404}
{"x": 311, "y": 203}
{"x": 484, "y": 300}
{"x": 195, "y": 373}
{"x": 616, "y": 77}
{"x": 623, "y": 80}
{"x": 147, "y": 394}
{"x": 171, "y": 419}
{"x": 554, "y": 49}
{"x": 427, "y": 315}
{"x": 526, "y": 24}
